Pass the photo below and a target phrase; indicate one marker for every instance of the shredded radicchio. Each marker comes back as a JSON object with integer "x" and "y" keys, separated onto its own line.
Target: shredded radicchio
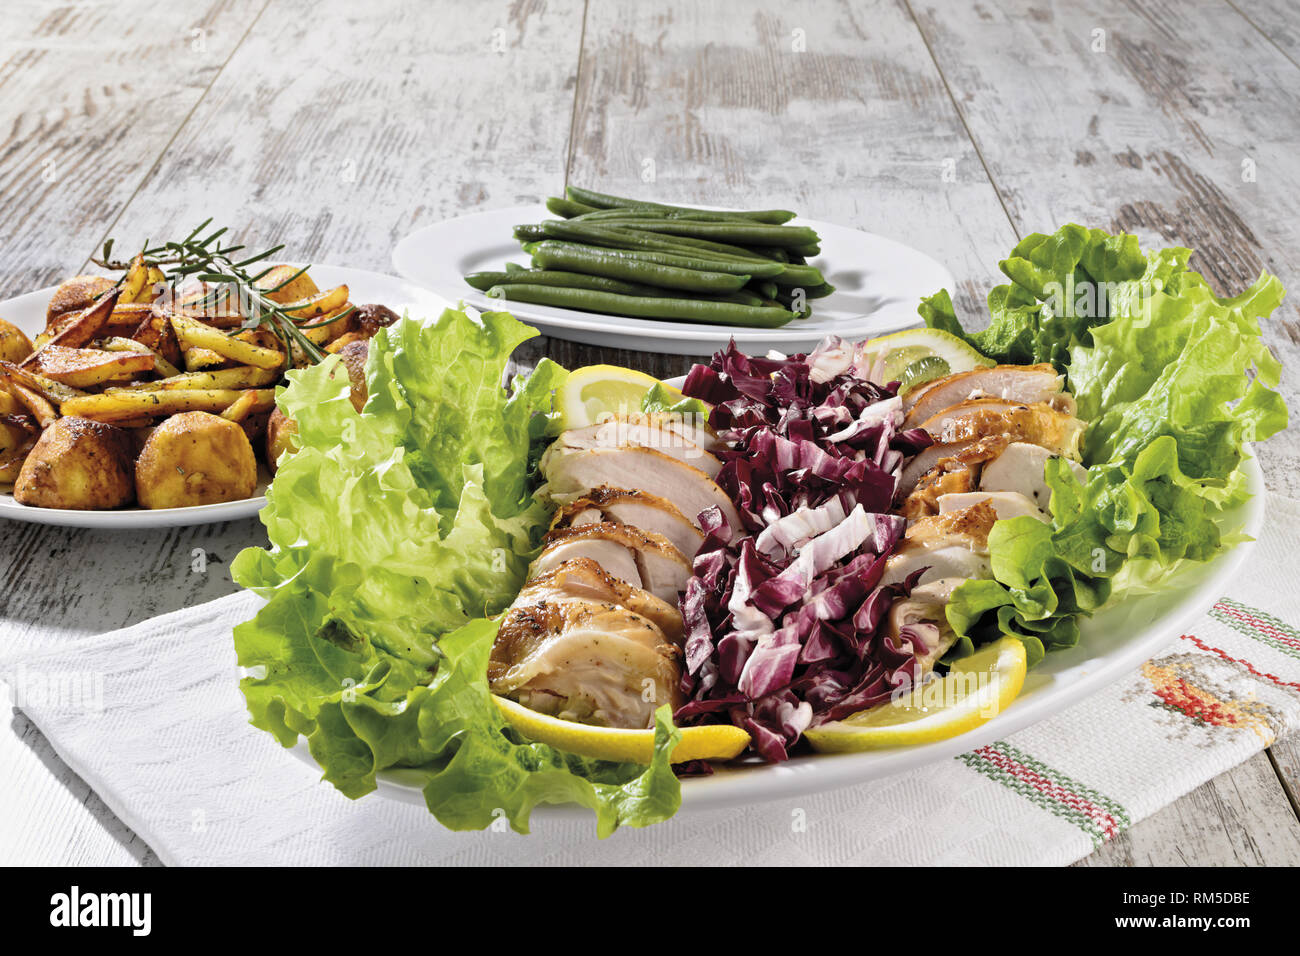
{"x": 783, "y": 615}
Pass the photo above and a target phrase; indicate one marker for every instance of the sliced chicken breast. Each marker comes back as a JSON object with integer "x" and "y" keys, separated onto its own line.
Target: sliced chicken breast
{"x": 573, "y": 472}
{"x": 1038, "y": 423}
{"x": 1020, "y": 469}
{"x": 950, "y": 457}
{"x": 644, "y": 431}
{"x": 611, "y": 555}
{"x": 947, "y": 545}
{"x": 581, "y": 579}
{"x": 934, "y": 484}
{"x": 1006, "y": 504}
{"x": 586, "y": 661}
{"x": 658, "y": 566}
{"x": 1017, "y": 383}
{"x": 637, "y": 508}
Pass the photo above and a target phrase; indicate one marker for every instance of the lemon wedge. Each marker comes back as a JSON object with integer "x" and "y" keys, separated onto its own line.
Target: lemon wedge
{"x": 975, "y": 690}
{"x": 916, "y": 356}
{"x": 595, "y": 390}
{"x": 716, "y": 742}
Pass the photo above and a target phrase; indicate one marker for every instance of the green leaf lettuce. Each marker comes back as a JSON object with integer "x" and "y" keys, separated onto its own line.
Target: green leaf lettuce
{"x": 1173, "y": 380}
{"x": 397, "y": 534}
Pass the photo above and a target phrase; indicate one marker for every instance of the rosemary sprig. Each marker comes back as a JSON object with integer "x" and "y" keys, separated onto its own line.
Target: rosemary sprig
{"x": 206, "y": 259}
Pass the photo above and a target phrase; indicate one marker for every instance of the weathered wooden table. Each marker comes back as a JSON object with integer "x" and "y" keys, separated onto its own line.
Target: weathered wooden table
{"x": 337, "y": 128}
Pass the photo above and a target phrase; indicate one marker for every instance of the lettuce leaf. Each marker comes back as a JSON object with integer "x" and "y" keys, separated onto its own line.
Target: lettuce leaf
{"x": 1174, "y": 382}
{"x": 396, "y": 535}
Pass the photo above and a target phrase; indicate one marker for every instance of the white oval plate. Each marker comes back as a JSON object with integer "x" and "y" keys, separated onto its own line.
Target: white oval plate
{"x": 28, "y": 313}
{"x": 1111, "y": 645}
{"x": 878, "y": 284}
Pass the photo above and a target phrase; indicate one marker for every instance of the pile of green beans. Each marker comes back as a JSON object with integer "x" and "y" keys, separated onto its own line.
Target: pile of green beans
{"x": 652, "y": 260}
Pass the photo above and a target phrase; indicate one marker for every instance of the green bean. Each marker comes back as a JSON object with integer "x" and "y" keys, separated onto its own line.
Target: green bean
{"x": 791, "y": 274}
{"x": 578, "y": 280}
{"x": 752, "y": 268}
{"x": 624, "y": 239}
{"x": 764, "y": 287}
{"x": 645, "y": 307}
{"x": 606, "y": 201}
{"x": 687, "y": 243}
{"x": 529, "y": 232}
{"x": 619, "y": 264}
{"x": 567, "y": 207}
{"x": 753, "y": 234}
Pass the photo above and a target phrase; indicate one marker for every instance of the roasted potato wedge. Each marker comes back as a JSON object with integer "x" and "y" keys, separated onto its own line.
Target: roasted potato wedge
{"x": 281, "y": 432}
{"x": 155, "y": 332}
{"x": 320, "y": 304}
{"x": 11, "y": 460}
{"x": 343, "y": 341}
{"x": 126, "y": 317}
{"x": 79, "y": 464}
{"x": 82, "y": 368}
{"x": 14, "y": 343}
{"x": 193, "y": 335}
{"x": 17, "y": 425}
{"x": 195, "y": 459}
{"x": 292, "y": 286}
{"x": 50, "y": 390}
{"x": 160, "y": 364}
{"x": 252, "y": 401}
{"x": 243, "y": 376}
{"x": 117, "y": 404}
{"x": 42, "y": 409}
{"x": 88, "y": 325}
{"x": 198, "y": 360}
{"x": 75, "y": 295}
{"x": 135, "y": 284}
{"x": 327, "y": 328}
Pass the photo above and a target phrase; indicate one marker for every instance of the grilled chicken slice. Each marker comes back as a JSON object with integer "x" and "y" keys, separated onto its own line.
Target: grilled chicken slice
{"x": 940, "y": 481}
{"x": 585, "y": 660}
{"x": 658, "y": 566}
{"x": 574, "y": 471}
{"x": 1024, "y": 384}
{"x": 1020, "y": 469}
{"x": 581, "y": 579}
{"x": 1038, "y": 423}
{"x": 637, "y": 508}
{"x": 1006, "y": 504}
{"x": 952, "y": 456}
{"x": 644, "y": 431}
{"x": 947, "y": 545}
{"x": 612, "y": 555}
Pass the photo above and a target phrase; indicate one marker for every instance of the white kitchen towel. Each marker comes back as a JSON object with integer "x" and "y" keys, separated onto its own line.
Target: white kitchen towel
{"x": 152, "y": 718}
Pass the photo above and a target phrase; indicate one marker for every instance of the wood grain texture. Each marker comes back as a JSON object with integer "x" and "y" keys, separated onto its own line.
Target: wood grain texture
{"x": 1277, "y": 20}
{"x": 832, "y": 109}
{"x": 1240, "y": 818}
{"x": 90, "y": 97}
{"x": 1133, "y": 116}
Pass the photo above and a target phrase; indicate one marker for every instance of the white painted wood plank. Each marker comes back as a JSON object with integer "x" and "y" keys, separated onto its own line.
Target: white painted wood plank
{"x": 1240, "y": 818}
{"x": 90, "y": 96}
{"x": 1180, "y": 122}
{"x": 834, "y": 110}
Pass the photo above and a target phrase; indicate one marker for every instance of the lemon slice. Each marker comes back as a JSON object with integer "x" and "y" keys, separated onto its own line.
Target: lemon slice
{"x": 910, "y": 348}
{"x": 717, "y": 742}
{"x": 595, "y": 390}
{"x": 975, "y": 690}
